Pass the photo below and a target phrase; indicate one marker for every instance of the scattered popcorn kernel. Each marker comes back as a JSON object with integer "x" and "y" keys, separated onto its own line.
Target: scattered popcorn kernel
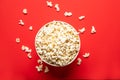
{"x": 57, "y": 7}
{"x": 29, "y": 55}
{"x": 82, "y": 30}
{"x": 81, "y": 17}
{"x": 39, "y": 68}
{"x": 17, "y": 40}
{"x": 25, "y": 11}
{"x": 79, "y": 61}
{"x": 28, "y": 50}
{"x": 49, "y": 3}
{"x": 93, "y": 30}
{"x": 39, "y": 61}
{"x": 30, "y": 28}
{"x": 23, "y": 47}
{"x": 86, "y": 55}
{"x": 68, "y": 14}
{"x": 21, "y": 22}
{"x": 46, "y": 69}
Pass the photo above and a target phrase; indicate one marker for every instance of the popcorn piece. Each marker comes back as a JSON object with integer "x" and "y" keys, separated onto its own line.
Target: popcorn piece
{"x": 93, "y": 30}
{"x": 30, "y": 28}
{"x": 46, "y": 69}
{"x": 82, "y": 30}
{"x": 23, "y": 47}
{"x": 17, "y": 40}
{"x": 81, "y": 17}
{"x": 62, "y": 39}
{"x": 28, "y": 50}
{"x": 57, "y": 7}
{"x": 25, "y": 11}
{"x": 49, "y": 3}
{"x": 86, "y": 55}
{"x": 39, "y": 68}
{"x": 21, "y": 22}
{"x": 79, "y": 61}
{"x": 29, "y": 55}
{"x": 68, "y": 14}
{"x": 39, "y": 61}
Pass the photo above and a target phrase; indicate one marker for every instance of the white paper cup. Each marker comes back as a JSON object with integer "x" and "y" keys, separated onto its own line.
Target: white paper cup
{"x": 42, "y": 47}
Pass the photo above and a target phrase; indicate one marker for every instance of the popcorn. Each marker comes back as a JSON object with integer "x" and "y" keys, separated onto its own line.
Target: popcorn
{"x": 82, "y": 30}
{"x": 29, "y": 55}
{"x": 81, "y": 17}
{"x": 26, "y": 49}
{"x": 30, "y": 28}
{"x": 60, "y": 46}
{"x": 68, "y": 14}
{"x": 39, "y": 68}
{"x": 17, "y": 40}
{"x": 49, "y": 3}
{"x": 79, "y": 61}
{"x": 46, "y": 69}
{"x": 63, "y": 39}
{"x": 57, "y": 7}
{"x": 23, "y": 47}
{"x": 86, "y": 55}
{"x": 25, "y": 11}
{"x": 93, "y": 30}
{"x": 21, "y": 22}
{"x": 39, "y": 61}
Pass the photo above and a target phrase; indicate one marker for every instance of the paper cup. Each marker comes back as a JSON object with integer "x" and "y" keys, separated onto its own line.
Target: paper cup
{"x": 57, "y": 43}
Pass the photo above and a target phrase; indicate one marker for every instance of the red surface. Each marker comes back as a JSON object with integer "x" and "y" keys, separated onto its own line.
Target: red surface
{"x": 104, "y": 46}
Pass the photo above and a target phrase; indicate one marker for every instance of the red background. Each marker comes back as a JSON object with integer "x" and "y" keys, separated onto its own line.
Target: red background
{"x": 104, "y": 60}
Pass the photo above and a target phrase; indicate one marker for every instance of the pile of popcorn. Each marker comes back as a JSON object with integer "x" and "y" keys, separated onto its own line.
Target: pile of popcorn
{"x": 57, "y": 43}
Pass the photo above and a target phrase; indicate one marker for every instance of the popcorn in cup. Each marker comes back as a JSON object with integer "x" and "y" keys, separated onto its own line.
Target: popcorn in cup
{"x": 57, "y": 43}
